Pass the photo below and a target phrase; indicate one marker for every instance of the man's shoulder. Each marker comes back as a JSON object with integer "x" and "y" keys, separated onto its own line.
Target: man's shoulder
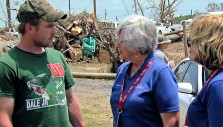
{"x": 8, "y": 55}
{"x": 159, "y": 52}
{"x": 9, "y": 59}
{"x": 157, "y": 62}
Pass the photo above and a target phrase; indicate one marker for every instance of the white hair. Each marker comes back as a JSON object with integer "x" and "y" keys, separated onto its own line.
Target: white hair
{"x": 139, "y": 33}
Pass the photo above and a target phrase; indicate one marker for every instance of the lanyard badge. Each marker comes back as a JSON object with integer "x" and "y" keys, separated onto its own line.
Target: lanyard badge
{"x": 123, "y": 98}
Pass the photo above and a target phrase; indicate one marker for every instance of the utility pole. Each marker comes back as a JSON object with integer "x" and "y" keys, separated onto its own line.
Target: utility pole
{"x": 105, "y": 14}
{"x": 69, "y": 7}
{"x": 95, "y": 14}
{"x": 9, "y": 13}
{"x": 185, "y": 39}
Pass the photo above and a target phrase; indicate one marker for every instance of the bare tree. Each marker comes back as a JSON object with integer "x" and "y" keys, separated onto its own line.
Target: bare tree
{"x": 140, "y": 6}
{"x": 154, "y": 8}
{"x": 164, "y": 10}
{"x": 161, "y": 10}
{"x": 214, "y": 7}
{"x": 125, "y": 7}
{"x": 3, "y": 20}
{"x": 137, "y": 6}
{"x": 167, "y": 9}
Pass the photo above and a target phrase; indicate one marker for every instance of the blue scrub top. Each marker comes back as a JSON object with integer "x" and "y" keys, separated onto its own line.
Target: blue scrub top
{"x": 155, "y": 93}
{"x": 206, "y": 110}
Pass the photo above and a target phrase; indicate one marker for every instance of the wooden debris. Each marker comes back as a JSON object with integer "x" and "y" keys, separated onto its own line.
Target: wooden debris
{"x": 94, "y": 75}
{"x": 72, "y": 30}
{"x": 104, "y": 57}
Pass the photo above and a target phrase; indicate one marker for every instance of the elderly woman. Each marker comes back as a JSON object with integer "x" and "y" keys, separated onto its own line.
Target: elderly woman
{"x": 144, "y": 93}
{"x": 206, "y": 41}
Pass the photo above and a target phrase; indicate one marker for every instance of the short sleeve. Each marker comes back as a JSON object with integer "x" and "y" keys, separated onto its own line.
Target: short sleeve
{"x": 69, "y": 80}
{"x": 7, "y": 81}
{"x": 166, "y": 92}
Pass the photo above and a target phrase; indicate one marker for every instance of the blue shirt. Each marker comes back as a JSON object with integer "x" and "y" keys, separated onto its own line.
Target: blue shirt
{"x": 155, "y": 93}
{"x": 206, "y": 110}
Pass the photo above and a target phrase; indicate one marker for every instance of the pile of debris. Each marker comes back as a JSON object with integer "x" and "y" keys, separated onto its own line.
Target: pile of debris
{"x": 81, "y": 38}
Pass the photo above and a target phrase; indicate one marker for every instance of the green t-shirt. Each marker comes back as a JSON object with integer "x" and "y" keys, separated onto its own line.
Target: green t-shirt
{"x": 38, "y": 83}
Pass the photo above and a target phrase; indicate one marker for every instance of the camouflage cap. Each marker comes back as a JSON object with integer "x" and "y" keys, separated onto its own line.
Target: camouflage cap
{"x": 39, "y": 9}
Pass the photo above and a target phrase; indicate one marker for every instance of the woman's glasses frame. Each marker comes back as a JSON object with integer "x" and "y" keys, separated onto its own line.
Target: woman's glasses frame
{"x": 188, "y": 42}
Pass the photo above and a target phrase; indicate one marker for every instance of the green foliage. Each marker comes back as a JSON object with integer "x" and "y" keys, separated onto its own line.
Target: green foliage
{"x": 176, "y": 20}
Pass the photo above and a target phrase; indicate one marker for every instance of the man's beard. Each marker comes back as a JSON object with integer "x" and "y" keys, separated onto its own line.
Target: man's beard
{"x": 42, "y": 44}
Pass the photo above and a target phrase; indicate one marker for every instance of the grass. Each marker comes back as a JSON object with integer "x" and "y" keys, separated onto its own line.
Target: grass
{"x": 96, "y": 110}
{"x": 93, "y": 95}
{"x": 95, "y": 105}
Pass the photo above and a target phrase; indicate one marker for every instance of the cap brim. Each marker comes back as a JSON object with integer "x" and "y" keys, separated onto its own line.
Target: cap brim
{"x": 53, "y": 16}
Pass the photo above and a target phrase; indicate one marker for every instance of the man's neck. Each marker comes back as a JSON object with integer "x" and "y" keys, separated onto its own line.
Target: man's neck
{"x": 28, "y": 46}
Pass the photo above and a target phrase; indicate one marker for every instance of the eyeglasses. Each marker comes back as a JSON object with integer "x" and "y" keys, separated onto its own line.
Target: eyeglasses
{"x": 188, "y": 42}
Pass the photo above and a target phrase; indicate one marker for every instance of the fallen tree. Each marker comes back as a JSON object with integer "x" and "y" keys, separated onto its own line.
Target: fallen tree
{"x": 94, "y": 75}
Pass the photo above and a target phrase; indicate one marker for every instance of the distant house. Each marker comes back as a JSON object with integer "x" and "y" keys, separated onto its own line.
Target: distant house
{"x": 111, "y": 23}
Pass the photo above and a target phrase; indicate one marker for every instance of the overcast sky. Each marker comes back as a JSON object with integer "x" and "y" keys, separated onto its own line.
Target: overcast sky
{"x": 113, "y": 7}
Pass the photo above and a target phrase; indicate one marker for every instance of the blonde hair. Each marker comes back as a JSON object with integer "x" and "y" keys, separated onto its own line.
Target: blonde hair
{"x": 206, "y": 35}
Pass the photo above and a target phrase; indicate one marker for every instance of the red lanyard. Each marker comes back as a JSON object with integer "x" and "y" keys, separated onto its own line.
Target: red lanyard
{"x": 209, "y": 79}
{"x": 121, "y": 98}
{"x": 212, "y": 76}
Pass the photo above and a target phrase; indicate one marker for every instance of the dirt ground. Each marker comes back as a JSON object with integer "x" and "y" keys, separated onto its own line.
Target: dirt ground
{"x": 175, "y": 51}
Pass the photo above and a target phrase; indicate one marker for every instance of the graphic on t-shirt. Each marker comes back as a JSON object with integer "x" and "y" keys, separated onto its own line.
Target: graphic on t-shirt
{"x": 45, "y": 91}
{"x": 39, "y": 90}
{"x": 37, "y": 85}
{"x": 56, "y": 69}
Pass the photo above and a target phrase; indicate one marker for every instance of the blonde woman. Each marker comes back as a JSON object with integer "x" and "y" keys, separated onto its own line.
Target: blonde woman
{"x": 206, "y": 40}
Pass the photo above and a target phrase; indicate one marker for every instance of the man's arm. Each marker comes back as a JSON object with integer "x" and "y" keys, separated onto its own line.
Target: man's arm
{"x": 171, "y": 119}
{"x": 172, "y": 64}
{"x": 74, "y": 109}
{"x": 6, "y": 110}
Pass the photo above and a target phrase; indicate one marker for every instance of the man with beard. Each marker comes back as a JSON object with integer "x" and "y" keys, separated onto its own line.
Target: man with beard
{"x": 36, "y": 83}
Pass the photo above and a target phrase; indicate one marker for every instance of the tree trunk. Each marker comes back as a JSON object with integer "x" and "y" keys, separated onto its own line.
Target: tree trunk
{"x": 9, "y": 13}
{"x": 104, "y": 57}
{"x": 94, "y": 75}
